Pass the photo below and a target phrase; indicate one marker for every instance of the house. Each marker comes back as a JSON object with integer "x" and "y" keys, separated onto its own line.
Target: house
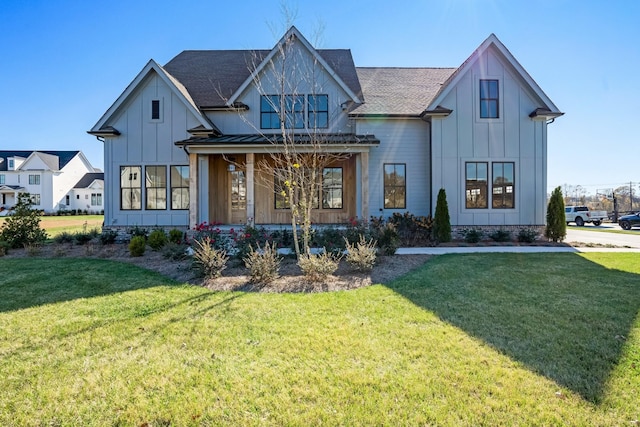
{"x": 196, "y": 128}
{"x": 86, "y": 194}
{"x": 47, "y": 176}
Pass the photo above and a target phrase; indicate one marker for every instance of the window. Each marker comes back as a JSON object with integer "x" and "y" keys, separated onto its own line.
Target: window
{"x": 502, "y": 192}
{"x": 155, "y": 109}
{"x": 34, "y": 179}
{"x": 476, "y": 185}
{"x": 489, "y": 99}
{"x": 281, "y": 190}
{"x": 130, "y": 187}
{"x": 332, "y": 188}
{"x": 270, "y": 106}
{"x": 156, "y": 187}
{"x": 67, "y": 200}
{"x": 395, "y": 186}
{"x": 318, "y": 111}
{"x": 96, "y": 199}
{"x": 179, "y": 187}
{"x": 11, "y": 163}
{"x": 35, "y": 199}
{"x": 1, "y": 179}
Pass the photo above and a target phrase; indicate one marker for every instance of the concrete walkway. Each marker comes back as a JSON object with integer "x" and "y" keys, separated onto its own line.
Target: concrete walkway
{"x": 512, "y": 249}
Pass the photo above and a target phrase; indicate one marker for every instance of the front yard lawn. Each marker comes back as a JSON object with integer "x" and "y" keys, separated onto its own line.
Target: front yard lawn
{"x": 478, "y": 339}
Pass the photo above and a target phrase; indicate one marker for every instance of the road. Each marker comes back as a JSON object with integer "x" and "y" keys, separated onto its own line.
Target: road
{"x": 583, "y": 234}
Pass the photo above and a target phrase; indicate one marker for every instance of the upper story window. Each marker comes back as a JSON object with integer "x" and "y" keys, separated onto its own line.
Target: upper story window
{"x": 34, "y": 179}
{"x": 489, "y": 99}
{"x": 1, "y": 179}
{"x": 318, "y": 111}
{"x": 11, "y": 164}
{"x": 293, "y": 111}
{"x": 155, "y": 109}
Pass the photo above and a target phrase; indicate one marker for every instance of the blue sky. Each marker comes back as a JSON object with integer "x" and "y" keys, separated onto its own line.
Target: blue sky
{"x": 64, "y": 62}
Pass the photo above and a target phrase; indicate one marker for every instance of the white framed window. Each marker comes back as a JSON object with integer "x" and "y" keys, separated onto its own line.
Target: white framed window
{"x": 34, "y": 179}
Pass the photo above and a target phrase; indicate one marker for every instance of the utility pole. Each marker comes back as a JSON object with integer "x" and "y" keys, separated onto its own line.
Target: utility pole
{"x": 631, "y": 195}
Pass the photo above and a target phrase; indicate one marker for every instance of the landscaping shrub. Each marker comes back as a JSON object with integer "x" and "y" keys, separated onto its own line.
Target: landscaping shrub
{"x": 247, "y": 238}
{"x": 138, "y": 232}
{"x": 500, "y": 235}
{"x": 64, "y": 237}
{"x": 472, "y": 235}
{"x": 527, "y": 235}
{"x": 362, "y": 255}
{"x": 388, "y": 239}
{"x": 442, "y": 223}
{"x": 23, "y": 227}
{"x": 108, "y": 237}
{"x": 157, "y": 239}
{"x": 176, "y": 236}
{"x": 412, "y": 230}
{"x": 556, "y": 221}
{"x": 357, "y": 228}
{"x": 207, "y": 259}
{"x": 316, "y": 267}
{"x": 330, "y": 238}
{"x": 137, "y": 246}
{"x": 175, "y": 251}
{"x": 4, "y": 247}
{"x": 263, "y": 264}
{"x": 217, "y": 238}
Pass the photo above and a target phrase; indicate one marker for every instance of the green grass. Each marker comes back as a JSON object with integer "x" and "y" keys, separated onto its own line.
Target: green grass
{"x": 633, "y": 231}
{"x": 55, "y": 225}
{"x": 479, "y": 339}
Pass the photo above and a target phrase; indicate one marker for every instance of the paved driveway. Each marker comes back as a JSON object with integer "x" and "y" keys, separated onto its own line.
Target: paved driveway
{"x": 582, "y": 234}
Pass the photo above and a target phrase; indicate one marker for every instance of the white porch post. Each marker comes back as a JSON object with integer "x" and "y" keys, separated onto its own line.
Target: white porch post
{"x": 364, "y": 184}
{"x": 193, "y": 190}
{"x": 251, "y": 207}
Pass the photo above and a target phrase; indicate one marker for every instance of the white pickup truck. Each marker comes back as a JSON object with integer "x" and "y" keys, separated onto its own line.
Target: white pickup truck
{"x": 582, "y": 214}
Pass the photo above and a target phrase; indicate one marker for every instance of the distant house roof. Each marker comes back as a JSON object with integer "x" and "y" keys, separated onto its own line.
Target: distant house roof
{"x": 212, "y": 76}
{"x": 55, "y": 160}
{"x": 88, "y": 178}
{"x": 399, "y": 91}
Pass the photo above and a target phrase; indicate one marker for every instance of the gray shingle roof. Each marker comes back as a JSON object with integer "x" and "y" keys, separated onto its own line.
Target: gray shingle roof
{"x": 88, "y": 178}
{"x": 399, "y": 91}
{"x": 212, "y": 76}
{"x": 63, "y": 157}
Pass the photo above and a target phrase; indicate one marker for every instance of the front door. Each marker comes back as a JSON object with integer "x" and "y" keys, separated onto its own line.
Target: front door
{"x": 238, "y": 196}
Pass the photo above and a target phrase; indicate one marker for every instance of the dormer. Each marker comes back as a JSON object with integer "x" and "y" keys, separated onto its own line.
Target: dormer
{"x": 14, "y": 163}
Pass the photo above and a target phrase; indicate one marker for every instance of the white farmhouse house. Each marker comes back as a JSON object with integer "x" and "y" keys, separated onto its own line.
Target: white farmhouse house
{"x": 47, "y": 176}
{"x": 87, "y": 194}
{"x": 195, "y": 128}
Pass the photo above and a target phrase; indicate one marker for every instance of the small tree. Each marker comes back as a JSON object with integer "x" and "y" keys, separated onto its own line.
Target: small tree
{"x": 23, "y": 227}
{"x": 556, "y": 222}
{"x": 442, "y": 224}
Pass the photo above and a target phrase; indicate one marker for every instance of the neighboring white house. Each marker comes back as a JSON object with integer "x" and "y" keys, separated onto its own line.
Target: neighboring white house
{"x": 47, "y": 176}
{"x": 87, "y": 194}
{"x": 195, "y": 128}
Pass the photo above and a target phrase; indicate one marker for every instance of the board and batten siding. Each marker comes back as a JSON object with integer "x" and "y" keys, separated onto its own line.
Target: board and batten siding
{"x": 146, "y": 142}
{"x": 402, "y": 140}
{"x": 514, "y": 137}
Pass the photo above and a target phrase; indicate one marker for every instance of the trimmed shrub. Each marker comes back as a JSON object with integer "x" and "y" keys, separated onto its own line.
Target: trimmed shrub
{"x": 64, "y": 237}
{"x": 176, "y": 236}
{"x": 472, "y": 235}
{"x": 137, "y": 246}
{"x": 157, "y": 239}
{"x": 263, "y": 264}
{"x": 442, "y": 222}
{"x": 249, "y": 237}
{"x": 208, "y": 260}
{"x": 527, "y": 235}
{"x": 138, "y": 231}
{"x": 108, "y": 237}
{"x": 316, "y": 267}
{"x": 500, "y": 235}
{"x": 362, "y": 255}
{"x": 556, "y": 221}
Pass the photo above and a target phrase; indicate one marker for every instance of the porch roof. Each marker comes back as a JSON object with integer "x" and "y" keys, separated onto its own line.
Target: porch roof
{"x": 334, "y": 139}
{"x": 10, "y": 188}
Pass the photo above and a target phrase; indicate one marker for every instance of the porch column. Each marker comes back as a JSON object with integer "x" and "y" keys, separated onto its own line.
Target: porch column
{"x": 193, "y": 190}
{"x": 251, "y": 207}
{"x": 364, "y": 184}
